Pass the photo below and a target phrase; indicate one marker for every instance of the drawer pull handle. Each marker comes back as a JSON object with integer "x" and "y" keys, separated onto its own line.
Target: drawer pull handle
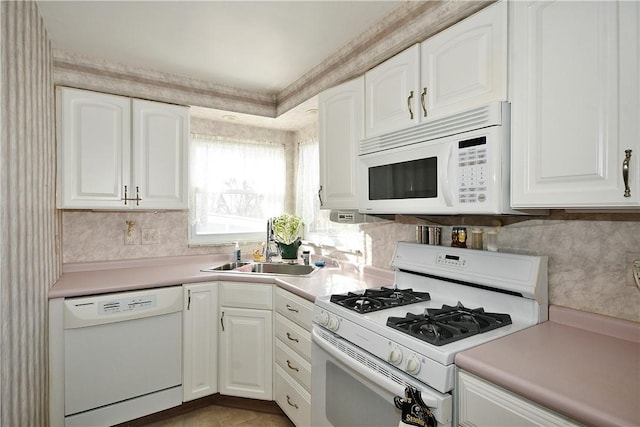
{"x": 409, "y": 100}
{"x": 291, "y": 338}
{"x": 293, "y": 368}
{"x": 291, "y": 404}
{"x": 292, "y": 309}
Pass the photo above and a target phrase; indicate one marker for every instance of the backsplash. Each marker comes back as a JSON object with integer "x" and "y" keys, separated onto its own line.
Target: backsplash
{"x": 588, "y": 259}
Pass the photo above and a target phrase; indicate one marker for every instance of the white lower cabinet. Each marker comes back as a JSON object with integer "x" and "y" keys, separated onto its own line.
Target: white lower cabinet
{"x": 200, "y": 340}
{"x": 481, "y": 403}
{"x": 294, "y": 400}
{"x": 245, "y": 367}
{"x": 293, "y": 356}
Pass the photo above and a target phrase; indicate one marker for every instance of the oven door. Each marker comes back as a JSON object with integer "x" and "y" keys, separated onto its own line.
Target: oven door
{"x": 350, "y": 387}
{"x": 415, "y": 178}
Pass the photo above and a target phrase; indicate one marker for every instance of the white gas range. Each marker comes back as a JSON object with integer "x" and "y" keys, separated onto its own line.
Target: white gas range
{"x": 444, "y": 300}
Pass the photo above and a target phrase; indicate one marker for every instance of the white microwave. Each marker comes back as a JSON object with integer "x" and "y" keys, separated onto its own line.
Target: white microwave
{"x": 453, "y": 165}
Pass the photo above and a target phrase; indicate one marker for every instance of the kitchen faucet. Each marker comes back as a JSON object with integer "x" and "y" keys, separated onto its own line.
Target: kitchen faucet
{"x": 270, "y": 238}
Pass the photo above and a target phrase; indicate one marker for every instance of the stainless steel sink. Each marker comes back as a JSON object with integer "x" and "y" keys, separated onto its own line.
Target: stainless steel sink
{"x": 228, "y": 266}
{"x": 281, "y": 268}
{"x": 273, "y": 268}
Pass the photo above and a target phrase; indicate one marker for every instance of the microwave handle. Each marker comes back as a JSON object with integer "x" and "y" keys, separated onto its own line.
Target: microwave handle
{"x": 446, "y": 179}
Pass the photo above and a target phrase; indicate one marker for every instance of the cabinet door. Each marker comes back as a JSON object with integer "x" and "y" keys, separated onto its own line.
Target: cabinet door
{"x": 341, "y": 129}
{"x": 246, "y": 353}
{"x": 482, "y": 404}
{"x": 200, "y": 357}
{"x": 392, "y": 93}
{"x": 94, "y": 144}
{"x": 465, "y": 65}
{"x": 575, "y": 104}
{"x": 160, "y": 135}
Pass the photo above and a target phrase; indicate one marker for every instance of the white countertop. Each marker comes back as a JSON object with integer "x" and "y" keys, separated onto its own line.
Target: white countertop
{"x": 117, "y": 276}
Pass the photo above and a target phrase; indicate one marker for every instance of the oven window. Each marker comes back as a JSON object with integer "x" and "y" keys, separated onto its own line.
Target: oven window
{"x": 415, "y": 179}
{"x": 350, "y": 402}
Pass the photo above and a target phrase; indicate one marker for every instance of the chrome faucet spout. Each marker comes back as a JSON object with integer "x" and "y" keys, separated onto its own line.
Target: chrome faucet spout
{"x": 268, "y": 252}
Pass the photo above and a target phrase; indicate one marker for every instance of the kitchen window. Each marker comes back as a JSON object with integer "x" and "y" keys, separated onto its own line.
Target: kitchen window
{"x": 235, "y": 185}
{"x": 318, "y": 228}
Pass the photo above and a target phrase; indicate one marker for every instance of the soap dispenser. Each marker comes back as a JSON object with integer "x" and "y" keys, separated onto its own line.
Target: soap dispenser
{"x": 236, "y": 253}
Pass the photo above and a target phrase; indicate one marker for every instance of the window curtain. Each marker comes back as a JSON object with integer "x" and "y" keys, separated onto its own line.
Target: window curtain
{"x": 308, "y": 183}
{"x": 235, "y": 185}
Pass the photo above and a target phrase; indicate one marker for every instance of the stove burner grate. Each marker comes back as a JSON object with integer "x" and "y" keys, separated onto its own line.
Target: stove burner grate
{"x": 440, "y": 326}
{"x": 378, "y": 299}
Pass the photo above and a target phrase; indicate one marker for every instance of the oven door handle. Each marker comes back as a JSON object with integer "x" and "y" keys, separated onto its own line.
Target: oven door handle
{"x": 371, "y": 375}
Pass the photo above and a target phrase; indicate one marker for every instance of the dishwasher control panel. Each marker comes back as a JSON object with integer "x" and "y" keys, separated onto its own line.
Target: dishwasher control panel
{"x": 115, "y": 307}
{"x": 127, "y": 304}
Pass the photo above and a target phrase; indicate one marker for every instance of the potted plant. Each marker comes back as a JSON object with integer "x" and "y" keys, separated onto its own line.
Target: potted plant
{"x": 287, "y": 231}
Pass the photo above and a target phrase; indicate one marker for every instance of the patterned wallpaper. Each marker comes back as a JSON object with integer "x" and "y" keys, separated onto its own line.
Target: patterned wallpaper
{"x": 30, "y": 260}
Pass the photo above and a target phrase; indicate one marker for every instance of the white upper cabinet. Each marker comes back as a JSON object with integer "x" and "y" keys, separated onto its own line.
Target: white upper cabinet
{"x": 391, "y": 93}
{"x": 575, "y": 85}
{"x": 94, "y": 148}
{"x": 160, "y": 135}
{"x": 461, "y": 67}
{"x": 465, "y": 65}
{"x": 341, "y": 129}
{"x": 112, "y": 148}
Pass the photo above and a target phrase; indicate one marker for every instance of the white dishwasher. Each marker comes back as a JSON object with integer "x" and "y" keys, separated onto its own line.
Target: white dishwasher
{"x": 122, "y": 356}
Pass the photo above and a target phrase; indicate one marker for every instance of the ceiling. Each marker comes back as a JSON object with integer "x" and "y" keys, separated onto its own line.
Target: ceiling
{"x": 251, "y": 45}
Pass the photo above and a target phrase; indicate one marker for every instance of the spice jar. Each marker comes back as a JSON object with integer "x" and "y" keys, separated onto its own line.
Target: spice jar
{"x": 459, "y": 237}
{"x": 462, "y": 237}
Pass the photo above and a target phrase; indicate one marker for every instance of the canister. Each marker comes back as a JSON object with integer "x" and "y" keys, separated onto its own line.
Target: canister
{"x": 476, "y": 238}
{"x": 435, "y": 234}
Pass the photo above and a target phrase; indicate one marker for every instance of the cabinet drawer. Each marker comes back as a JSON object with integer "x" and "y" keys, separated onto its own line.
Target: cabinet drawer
{"x": 292, "y": 399}
{"x": 295, "y": 308}
{"x": 295, "y": 365}
{"x": 246, "y": 295}
{"x": 293, "y": 336}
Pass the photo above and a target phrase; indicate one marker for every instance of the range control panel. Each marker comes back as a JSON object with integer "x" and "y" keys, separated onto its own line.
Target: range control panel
{"x": 450, "y": 260}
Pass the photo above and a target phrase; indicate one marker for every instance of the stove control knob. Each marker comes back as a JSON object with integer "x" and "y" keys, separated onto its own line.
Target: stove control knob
{"x": 395, "y": 355}
{"x": 323, "y": 318}
{"x": 333, "y": 324}
{"x": 413, "y": 365}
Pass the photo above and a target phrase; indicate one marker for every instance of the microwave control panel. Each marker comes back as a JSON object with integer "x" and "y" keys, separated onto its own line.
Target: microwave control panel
{"x": 472, "y": 170}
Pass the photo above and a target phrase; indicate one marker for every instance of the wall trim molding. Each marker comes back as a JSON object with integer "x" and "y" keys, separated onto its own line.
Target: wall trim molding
{"x": 411, "y": 22}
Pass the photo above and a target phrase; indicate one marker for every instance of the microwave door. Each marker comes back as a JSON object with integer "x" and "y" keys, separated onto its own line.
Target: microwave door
{"x": 410, "y": 179}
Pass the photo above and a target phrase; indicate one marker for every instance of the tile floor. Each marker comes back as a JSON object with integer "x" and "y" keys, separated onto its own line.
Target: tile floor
{"x": 220, "y": 416}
